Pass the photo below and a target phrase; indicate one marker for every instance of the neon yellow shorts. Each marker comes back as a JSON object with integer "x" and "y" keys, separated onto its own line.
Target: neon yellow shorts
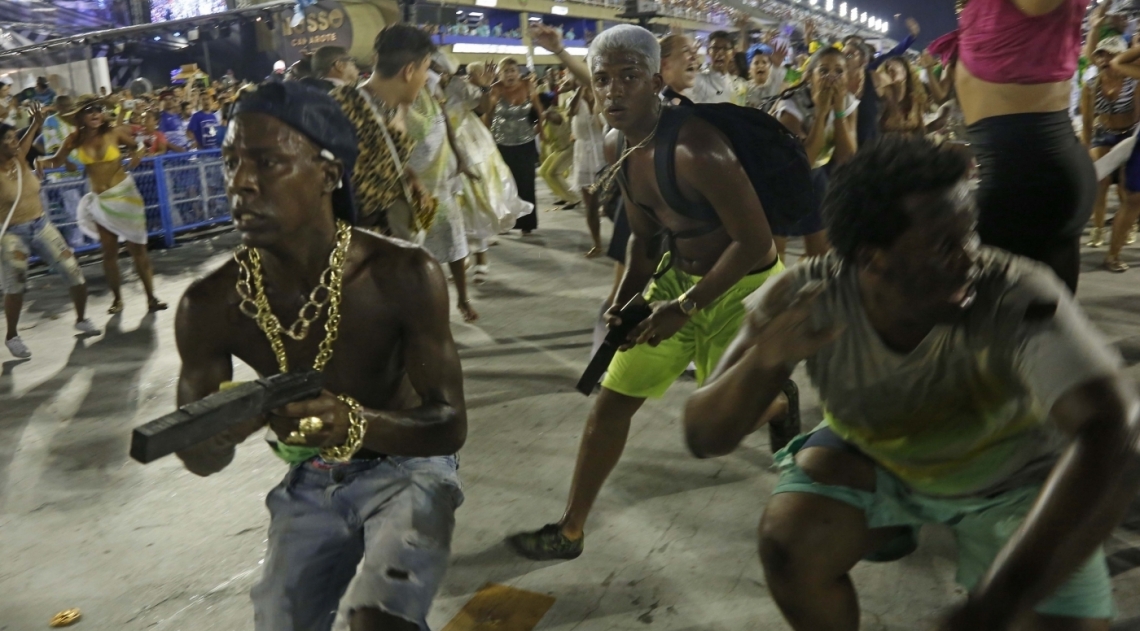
{"x": 646, "y": 372}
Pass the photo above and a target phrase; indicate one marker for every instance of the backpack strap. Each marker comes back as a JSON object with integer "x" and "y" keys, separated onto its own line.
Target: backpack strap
{"x": 620, "y": 176}
{"x": 665, "y": 165}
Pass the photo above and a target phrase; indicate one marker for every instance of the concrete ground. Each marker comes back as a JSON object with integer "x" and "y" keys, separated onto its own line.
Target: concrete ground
{"x": 671, "y": 545}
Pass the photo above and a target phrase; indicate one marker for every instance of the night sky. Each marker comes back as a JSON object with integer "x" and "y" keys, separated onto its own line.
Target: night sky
{"x": 935, "y": 16}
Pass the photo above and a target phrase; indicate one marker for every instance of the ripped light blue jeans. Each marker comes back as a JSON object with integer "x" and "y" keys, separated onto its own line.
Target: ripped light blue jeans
{"x": 366, "y": 534}
{"x": 40, "y": 237}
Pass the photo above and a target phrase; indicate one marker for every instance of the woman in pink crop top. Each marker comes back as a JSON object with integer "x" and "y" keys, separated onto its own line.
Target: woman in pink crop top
{"x": 1014, "y": 61}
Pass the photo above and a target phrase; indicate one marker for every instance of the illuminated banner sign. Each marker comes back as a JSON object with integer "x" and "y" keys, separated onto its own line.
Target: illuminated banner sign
{"x": 325, "y": 24}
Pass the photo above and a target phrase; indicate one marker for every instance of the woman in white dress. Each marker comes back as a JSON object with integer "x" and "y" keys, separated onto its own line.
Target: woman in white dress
{"x": 589, "y": 158}
{"x": 491, "y": 203}
{"x": 438, "y": 166}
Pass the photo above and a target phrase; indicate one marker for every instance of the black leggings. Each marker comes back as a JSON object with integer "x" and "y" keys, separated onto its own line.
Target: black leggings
{"x": 1037, "y": 188}
{"x": 522, "y": 160}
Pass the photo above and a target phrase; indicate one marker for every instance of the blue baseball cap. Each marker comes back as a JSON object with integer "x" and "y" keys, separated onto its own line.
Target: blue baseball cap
{"x": 316, "y": 115}
{"x": 759, "y": 49}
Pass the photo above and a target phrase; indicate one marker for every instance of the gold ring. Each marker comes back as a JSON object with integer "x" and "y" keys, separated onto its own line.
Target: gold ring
{"x": 295, "y": 438}
{"x": 310, "y": 425}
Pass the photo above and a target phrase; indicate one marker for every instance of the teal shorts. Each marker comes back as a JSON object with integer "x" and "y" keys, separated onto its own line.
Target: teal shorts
{"x": 646, "y": 372}
{"x": 981, "y": 525}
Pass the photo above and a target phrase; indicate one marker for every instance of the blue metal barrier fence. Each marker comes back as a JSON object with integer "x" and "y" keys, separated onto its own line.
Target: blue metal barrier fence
{"x": 182, "y": 192}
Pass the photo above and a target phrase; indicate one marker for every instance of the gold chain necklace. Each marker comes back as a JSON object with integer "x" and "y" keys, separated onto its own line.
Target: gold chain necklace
{"x": 255, "y": 304}
{"x": 320, "y": 295}
{"x": 605, "y": 181}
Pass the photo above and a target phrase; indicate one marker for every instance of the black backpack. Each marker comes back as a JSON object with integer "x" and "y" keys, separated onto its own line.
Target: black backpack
{"x": 771, "y": 155}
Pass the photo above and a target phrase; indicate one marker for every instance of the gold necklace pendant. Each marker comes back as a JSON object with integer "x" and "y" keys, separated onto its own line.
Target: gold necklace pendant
{"x": 610, "y": 174}
{"x": 255, "y": 304}
{"x": 251, "y": 288}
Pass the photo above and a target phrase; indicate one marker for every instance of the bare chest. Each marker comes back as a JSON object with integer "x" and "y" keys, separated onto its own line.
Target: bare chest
{"x": 367, "y": 352}
{"x": 646, "y": 193}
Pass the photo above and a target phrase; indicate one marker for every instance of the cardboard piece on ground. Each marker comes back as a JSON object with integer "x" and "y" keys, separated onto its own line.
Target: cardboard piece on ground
{"x": 501, "y": 608}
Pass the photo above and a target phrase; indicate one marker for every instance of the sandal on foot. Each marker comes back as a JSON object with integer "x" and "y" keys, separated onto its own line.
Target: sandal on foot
{"x": 468, "y": 312}
{"x": 1116, "y": 266}
{"x": 156, "y": 305}
{"x": 116, "y": 307}
{"x": 479, "y": 273}
{"x": 1096, "y": 238}
{"x": 546, "y": 544}
{"x": 781, "y": 431}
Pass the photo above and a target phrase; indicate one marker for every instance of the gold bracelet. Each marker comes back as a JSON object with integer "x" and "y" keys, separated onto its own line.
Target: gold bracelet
{"x": 357, "y": 426}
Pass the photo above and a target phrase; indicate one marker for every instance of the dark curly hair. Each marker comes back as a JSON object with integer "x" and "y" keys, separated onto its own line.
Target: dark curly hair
{"x": 864, "y": 203}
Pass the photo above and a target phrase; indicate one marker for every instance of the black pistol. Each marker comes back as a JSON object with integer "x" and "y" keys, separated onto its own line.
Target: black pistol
{"x": 632, "y": 314}
{"x": 198, "y": 421}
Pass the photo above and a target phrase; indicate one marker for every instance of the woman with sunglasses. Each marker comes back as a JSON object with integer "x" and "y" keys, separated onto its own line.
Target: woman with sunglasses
{"x": 114, "y": 209}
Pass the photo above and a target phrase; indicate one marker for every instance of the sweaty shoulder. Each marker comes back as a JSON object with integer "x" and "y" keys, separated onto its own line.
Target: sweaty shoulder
{"x": 206, "y": 301}
{"x": 705, "y": 159}
{"x": 611, "y": 145}
{"x": 218, "y": 284}
{"x": 397, "y": 265}
{"x": 701, "y": 140}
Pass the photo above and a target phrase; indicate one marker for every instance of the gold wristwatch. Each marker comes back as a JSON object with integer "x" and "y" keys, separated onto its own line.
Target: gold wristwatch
{"x": 688, "y": 305}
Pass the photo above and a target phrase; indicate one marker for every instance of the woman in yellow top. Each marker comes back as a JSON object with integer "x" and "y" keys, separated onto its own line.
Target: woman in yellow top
{"x": 114, "y": 208}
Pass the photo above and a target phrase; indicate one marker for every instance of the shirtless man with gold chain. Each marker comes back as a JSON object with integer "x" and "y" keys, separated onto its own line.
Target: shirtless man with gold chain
{"x": 372, "y": 473}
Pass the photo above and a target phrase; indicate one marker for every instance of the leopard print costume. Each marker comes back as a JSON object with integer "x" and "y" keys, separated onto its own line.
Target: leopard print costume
{"x": 378, "y": 185}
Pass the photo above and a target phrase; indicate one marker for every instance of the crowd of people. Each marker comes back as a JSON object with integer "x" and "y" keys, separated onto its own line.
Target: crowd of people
{"x": 960, "y": 380}
{"x": 481, "y": 28}
{"x": 90, "y": 136}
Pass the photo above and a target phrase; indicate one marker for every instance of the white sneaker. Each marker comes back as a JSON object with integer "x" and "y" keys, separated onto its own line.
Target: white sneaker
{"x": 87, "y": 327}
{"x": 17, "y": 347}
